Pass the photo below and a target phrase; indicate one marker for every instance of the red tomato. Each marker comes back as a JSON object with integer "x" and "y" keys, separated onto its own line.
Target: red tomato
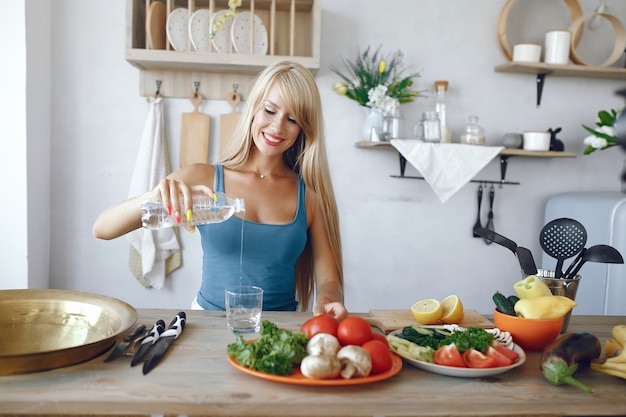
{"x": 381, "y": 337}
{"x": 380, "y": 355}
{"x": 476, "y": 359}
{"x": 449, "y": 356}
{"x": 509, "y": 353}
{"x": 322, "y": 323}
{"x": 354, "y": 330}
{"x": 501, "y": 359}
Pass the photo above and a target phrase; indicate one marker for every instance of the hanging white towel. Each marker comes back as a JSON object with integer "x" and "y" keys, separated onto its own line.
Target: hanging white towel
{"x": 153, "y": 248}
{"x": 446, "y": 167}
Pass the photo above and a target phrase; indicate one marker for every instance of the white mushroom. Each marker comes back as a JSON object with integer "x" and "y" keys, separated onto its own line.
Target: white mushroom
{"x": 323, "y": 344}
{"x": 355, "y": 361}
{"x": 320, "y": 366}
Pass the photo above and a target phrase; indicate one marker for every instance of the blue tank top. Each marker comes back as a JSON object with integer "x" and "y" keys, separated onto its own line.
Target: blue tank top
{"x": 270, "y": 252}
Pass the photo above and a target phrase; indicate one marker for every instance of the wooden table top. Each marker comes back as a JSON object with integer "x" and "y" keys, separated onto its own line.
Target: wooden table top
{"x": 196, "y": 379}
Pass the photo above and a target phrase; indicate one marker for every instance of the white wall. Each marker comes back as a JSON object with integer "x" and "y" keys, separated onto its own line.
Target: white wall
{"x": 400, "y": 243}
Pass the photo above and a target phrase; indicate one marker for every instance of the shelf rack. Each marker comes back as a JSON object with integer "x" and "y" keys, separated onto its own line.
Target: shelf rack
{"x": 542, "y": 70}
{"x": 505, "y": 154}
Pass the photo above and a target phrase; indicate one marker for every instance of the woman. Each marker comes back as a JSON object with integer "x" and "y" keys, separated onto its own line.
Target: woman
{"x": 276, "y": 162}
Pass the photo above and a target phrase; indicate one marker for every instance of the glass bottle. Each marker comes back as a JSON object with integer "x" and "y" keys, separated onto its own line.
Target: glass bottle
{"x": 473, "y": 133}
{"x": 205, "y": 210}
{"x": 441, "y": 107}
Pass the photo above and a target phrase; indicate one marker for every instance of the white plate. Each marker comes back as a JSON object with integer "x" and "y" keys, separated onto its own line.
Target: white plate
{"x": 177, "y": 29}
{"x": 200, "y": 30}
{"x": 221, "y": 40}
{"x": 463, "y": 372}
{"x": 241, "y": 34}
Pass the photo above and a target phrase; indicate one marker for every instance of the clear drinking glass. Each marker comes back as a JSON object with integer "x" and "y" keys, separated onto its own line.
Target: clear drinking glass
{"x": 243, "y": 308}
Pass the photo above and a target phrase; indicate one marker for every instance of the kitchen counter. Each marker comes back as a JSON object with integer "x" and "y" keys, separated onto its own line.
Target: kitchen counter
{"x": 195, "y": 379}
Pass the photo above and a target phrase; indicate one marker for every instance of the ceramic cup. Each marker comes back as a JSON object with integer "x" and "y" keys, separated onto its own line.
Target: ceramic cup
{"x": 536, "y": 141}
{"x": 557, "y": 47}
{"x": 243, "y": 308}
{"x": 526, "y": 52}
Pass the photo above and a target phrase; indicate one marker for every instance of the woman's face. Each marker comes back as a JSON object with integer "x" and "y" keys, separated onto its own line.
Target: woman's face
{"x": 274, "y": 129}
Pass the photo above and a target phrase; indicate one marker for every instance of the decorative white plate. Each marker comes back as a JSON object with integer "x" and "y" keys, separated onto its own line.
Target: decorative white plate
{"x": 463, "y": 372}
{"x": 241, "y": 34}
{"x": 221, "y": 40}
{"x": 177, "y": 29}
{"x": 200, "y": 30}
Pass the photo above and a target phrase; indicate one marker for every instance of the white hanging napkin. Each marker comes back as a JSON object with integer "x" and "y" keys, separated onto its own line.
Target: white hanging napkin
{"x": 447, "y": 167}
{"x": 150, "y": 249}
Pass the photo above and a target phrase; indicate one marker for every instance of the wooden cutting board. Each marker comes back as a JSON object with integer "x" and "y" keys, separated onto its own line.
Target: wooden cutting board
{"x": 194, "y": 135}
{"x": 228, "y": 121}
{"x": 390, "y": 320}
{"x": 155, "y": 25}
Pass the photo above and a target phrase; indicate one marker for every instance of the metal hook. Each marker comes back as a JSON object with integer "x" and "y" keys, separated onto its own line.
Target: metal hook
{"x": 158, "y": 90}
{"x": 235, "y": 87}
{"x": 196, "y": 85}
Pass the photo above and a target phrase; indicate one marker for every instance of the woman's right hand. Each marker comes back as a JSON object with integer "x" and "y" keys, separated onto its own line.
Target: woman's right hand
{"x": 170, "y": 190}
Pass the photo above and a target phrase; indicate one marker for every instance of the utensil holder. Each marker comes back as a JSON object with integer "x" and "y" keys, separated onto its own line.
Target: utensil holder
{"x": 560, "y": 286}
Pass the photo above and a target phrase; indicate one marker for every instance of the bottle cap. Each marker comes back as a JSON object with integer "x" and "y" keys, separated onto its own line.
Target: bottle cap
{"x": 441, "y": 85}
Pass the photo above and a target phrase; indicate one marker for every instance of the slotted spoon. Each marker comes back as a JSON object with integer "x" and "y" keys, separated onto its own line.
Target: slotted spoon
{"x": 561, "y": 239}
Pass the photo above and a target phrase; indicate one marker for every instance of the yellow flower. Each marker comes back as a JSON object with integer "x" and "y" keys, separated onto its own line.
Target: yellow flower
{"x": 340, "y": 88}
{"x": 233, "y": 4}
{"x": 382, "y": 66}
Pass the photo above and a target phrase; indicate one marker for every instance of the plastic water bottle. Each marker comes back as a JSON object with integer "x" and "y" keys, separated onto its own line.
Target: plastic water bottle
{"x": 206, "y": 210}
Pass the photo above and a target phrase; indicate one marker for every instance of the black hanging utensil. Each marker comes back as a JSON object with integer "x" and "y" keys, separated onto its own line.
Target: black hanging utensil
{"x": 490, "y": 225}
{"x": 480, "y": 199}
{"x": 561, "y": 239}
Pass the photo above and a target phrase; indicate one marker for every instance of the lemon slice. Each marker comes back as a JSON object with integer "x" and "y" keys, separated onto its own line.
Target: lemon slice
{"x": 452, "y": 310}
{"x": 427, "y": 311}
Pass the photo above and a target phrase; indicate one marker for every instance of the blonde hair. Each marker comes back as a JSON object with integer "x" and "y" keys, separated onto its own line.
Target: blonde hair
{"x": 307, "y": 157}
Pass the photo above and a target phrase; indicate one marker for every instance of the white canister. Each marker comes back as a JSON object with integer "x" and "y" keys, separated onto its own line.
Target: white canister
{"x": 537, "y": 141}
{"x": 526, "y": 52}
{"x": 557, "y": 47}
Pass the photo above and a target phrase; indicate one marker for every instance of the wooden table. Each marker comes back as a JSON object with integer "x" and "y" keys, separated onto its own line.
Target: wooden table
{"x": 196, "y": 379}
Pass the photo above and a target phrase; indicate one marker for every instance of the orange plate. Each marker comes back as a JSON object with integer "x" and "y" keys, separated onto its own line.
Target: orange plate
{"x": 298, "y": 379}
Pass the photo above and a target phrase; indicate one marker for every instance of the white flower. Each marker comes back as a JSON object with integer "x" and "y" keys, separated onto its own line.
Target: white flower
{"x": 595, "y": 142}
{"x": 378, "y": 100}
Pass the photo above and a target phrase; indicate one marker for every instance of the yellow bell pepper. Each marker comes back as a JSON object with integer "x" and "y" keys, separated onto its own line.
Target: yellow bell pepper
{"x": 531, "y": 287}
{"x": 544, "y": 307}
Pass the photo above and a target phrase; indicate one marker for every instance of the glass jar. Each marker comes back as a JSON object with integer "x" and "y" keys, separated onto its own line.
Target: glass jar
{"x": 473, "y": 133}
{"x": 392, "y": 125}
{"x": 429, "y": 128}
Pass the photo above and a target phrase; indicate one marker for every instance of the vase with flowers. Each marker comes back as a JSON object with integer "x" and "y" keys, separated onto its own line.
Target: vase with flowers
{"x": 378, "y": 84}
{"x": 604, "y": 135}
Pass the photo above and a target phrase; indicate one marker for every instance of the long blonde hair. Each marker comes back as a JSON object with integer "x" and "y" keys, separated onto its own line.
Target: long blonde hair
{"x": 307, "y": 157}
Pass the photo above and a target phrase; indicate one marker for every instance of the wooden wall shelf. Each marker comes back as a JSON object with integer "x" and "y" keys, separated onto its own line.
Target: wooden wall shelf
{"x": 504, "y": 159}
{"x": 542, "y": 70}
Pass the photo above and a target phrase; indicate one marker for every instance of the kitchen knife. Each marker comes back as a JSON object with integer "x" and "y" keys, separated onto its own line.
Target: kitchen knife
{"x": 124, "y": 344}
{"x": 148, "y": 341}
{"x": 165, "y": 340}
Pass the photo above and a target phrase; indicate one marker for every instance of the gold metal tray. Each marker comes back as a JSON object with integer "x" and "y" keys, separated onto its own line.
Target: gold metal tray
{"x": 48, "y": 329}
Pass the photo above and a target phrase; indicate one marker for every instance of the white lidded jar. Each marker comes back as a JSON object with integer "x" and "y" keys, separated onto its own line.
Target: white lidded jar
{"x": 473, "y": 133}
{"x": 206, "y": 209}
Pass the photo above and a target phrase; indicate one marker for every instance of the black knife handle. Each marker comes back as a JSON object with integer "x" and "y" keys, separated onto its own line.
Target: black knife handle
{"x": 135, "y": 333}
{"x": 176, "y": 326}
{"x": 154, "y": 334}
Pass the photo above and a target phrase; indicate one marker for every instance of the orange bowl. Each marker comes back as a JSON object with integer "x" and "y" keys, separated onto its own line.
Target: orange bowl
{"x": 529, "y": 334}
